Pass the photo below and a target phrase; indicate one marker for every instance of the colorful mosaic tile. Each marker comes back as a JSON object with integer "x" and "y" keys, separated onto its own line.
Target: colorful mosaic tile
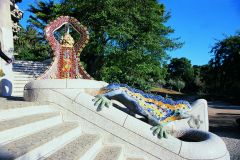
{"x": 66, "y": 62}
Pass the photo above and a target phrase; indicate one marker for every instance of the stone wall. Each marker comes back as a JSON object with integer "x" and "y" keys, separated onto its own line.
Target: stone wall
{"x": 9, "y": 17}
{"x": 6, "y": 39}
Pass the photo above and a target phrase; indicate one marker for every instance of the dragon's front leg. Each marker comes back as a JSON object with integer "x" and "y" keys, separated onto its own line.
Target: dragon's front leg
{"x": 160, "y": 130}
{"x": 101, "y": 101}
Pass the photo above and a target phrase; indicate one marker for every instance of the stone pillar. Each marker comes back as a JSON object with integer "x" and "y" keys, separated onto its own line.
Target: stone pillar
{"x": 6, "y": 39}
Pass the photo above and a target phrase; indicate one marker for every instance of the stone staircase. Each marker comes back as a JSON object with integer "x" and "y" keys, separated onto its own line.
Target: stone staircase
{"x": 39, "y": 132}
{"x": 25, "y": 71}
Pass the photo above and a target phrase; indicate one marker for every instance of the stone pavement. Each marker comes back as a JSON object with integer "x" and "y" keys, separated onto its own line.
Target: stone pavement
{"x": 222, "y": 121}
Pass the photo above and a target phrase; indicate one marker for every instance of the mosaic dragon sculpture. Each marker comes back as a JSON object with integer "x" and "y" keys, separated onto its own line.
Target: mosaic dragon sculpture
{"x": 158, "y": 110}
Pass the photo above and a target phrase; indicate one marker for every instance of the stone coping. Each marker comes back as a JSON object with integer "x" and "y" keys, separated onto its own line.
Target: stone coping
{"x": 122, "y": 125}
{"x": 64, "y": 84}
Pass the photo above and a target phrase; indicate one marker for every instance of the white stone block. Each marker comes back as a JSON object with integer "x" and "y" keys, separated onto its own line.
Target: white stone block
{"x": 46, "y": 84}
{"x": 85, "y": 83}
{"x": 202, "y": 145}
{"x": 200, "y": 108}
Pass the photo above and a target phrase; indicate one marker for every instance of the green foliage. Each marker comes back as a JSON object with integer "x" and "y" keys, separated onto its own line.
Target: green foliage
{"x": 44, "y": 12}
{"x": 30, "y": 46}
{"x": 129, "y": 39}
{"x": 206, "y": 77}
{"x": 198, "y": 84}
{"x": 132, "y": 68}
{"x": 224, "y": 68}
{"x": 181, "y": 69}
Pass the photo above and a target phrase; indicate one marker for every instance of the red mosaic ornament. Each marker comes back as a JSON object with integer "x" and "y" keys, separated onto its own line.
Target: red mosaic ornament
{"x": 66, "y": 62}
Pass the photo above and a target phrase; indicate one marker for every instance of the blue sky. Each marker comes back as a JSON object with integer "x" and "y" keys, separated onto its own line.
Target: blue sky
{"x": 198, "y": 23}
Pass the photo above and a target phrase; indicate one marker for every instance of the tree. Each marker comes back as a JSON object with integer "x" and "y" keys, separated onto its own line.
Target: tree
{"x": 176, "y": 84}
{"x": 129, "y": 39}
{"x": 181, "y": 69}
{"x": 44, "y": 12}
{"x": 29, "y": 46}
{"x": 161, "y": 83}
{"x": 199, "y": 81}
{"x": 179, "y": 85}
{"x": 171, "y": 83}
{"x": 224, "y": 67}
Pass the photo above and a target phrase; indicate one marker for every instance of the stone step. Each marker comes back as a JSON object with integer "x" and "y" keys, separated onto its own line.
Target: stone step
{"x": 40, "y": 144}
{"x": 9, "y": 103}
{"x": 17, "y": 94}
{"x": 18, "y": 91}
{"x": 84, "y": 147}
{"x": 20, "y": 62}
{"x": 20, "y": 73}
{"x": 130, "y": 158}
{"x": 30, "y": 66}
{"x": 30, "y": 72}
{"x": 15, "y": 128}
{"x": 110, "y": 153}
{"x": 15, "y": 90}
{"x": 19, "y": 85}
{"x": 17, "y": 112}
{"x": 28, "y": 69}
{"x": 22, "y": 76}
{"x": 21, "y": 80}
{"x": 37, "y": 70}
